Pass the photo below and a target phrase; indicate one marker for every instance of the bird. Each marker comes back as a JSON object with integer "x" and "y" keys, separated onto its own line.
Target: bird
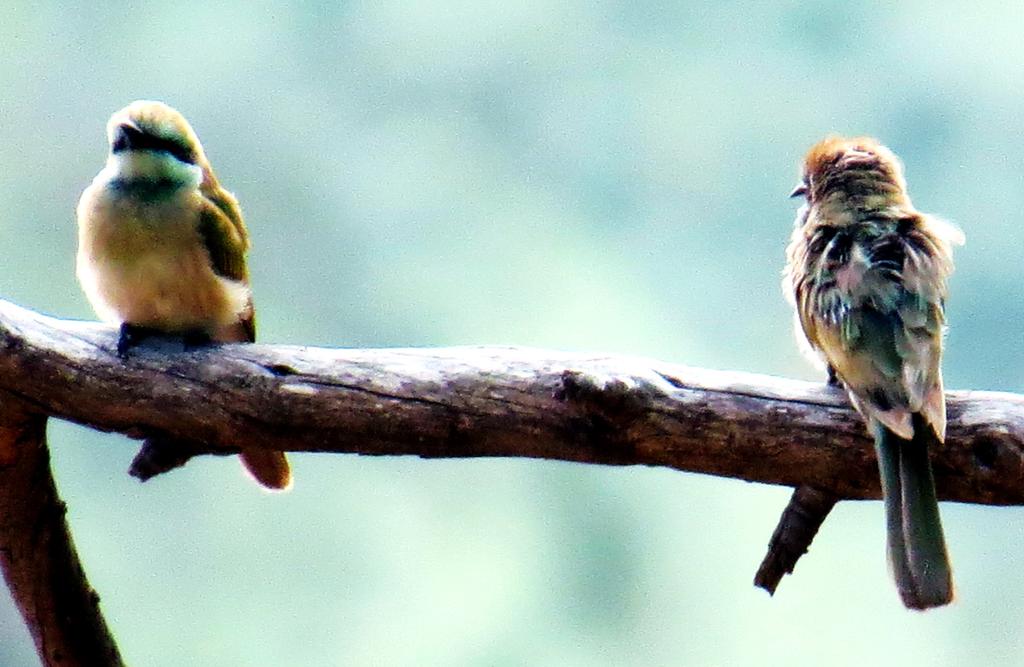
{"x": 161, "y": 246}
{"x": 867, "y": 275}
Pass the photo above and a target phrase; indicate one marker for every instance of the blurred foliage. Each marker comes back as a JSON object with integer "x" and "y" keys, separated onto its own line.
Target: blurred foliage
{"x": 606, "y": 176}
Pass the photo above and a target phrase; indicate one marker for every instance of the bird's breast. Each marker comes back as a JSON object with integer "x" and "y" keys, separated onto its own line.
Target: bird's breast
{"x": 850, "y": 272}
{"x": 144, "y": 262}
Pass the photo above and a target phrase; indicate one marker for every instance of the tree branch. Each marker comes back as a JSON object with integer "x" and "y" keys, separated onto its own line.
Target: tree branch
{"x": 37, "y": 554}
{"x": 456, "y": 402}
{"x": 492, "y": 401}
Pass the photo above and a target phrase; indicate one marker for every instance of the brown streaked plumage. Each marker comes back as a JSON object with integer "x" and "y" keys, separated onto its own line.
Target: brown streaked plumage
{"x": 162, "y": 245}
{"x": 867, "y": 275}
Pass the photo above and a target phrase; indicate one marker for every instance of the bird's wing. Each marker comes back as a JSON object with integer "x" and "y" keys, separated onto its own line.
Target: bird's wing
{"x": 927, "y": 265}
{"x": 886, "y": 341}
{"x": 225, "y": 238}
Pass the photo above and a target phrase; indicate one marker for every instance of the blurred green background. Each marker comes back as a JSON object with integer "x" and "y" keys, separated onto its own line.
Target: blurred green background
{"x": 605, "y": 176}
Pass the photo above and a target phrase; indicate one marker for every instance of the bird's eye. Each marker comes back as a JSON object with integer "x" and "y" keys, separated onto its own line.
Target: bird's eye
{"x": 129, "y": 137}
{"x": 178, "y": 149}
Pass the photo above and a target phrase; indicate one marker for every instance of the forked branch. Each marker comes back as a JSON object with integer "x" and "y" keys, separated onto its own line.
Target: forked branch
{"x": 492, "y": 401}
{"x": 486, "y": 401}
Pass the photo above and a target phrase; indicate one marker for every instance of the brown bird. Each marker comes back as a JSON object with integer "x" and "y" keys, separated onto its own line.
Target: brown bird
{"x": 161, "y": 246}
{"x": 867, "y": 274}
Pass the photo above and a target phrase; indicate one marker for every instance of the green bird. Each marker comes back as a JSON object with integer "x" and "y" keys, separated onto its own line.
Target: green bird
{"x": 161, "y": 246}
{"x": 867, "y": 275}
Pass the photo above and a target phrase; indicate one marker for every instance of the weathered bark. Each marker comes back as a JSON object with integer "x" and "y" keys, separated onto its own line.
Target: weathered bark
{"x": 492, "y": 401}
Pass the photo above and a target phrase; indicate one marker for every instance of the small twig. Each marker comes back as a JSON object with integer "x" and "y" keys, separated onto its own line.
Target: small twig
{"x": 793, "y": 535}
{"x": 160, "y": 454}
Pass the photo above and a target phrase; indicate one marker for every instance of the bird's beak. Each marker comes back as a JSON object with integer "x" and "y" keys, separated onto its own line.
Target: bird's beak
{"x": 126, "y": 135}
{"x": 129, "y": 128}
{"x": 799, "y": 191}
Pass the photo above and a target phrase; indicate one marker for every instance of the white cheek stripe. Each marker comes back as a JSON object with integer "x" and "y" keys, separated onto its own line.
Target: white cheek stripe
{"x": 150, "y": 165}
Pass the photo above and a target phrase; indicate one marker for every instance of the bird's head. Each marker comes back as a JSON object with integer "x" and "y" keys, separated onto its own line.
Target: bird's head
{"x": 153, "y": 142}
{"x": 858, "y": 172}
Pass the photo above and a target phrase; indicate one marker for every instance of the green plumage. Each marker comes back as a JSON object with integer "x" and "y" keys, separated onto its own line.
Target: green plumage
{"x": 225, "y": 239}
{"x": 916, "y": 545}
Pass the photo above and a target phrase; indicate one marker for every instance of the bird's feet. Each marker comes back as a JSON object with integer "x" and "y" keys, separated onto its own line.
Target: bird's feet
{"x": 131, "y": 335}
{"x": 193, "y": 339}
{"x": 833, "y": 379}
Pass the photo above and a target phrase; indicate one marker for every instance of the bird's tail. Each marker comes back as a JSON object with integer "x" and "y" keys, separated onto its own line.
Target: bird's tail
{"x": 917, "y": 549}
{"x": 268, "y": 467}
